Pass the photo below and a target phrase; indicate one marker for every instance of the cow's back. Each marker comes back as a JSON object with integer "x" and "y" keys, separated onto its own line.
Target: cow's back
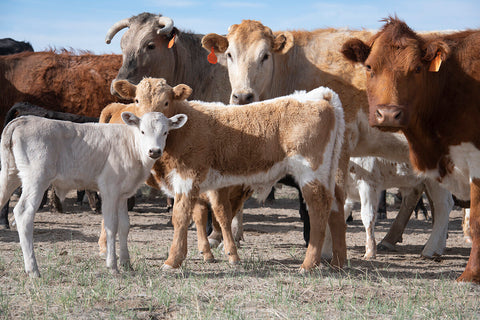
{"x": 65, "y": 82}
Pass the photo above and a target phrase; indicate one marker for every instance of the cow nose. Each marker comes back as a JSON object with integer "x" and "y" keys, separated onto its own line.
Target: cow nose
{"x": 242, "y": 98}
{"x": 389, "y": 116}
{"x": 155, "y": 153}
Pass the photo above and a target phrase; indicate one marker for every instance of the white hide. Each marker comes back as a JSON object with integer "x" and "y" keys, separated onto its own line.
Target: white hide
{"x": 114, "y": 159}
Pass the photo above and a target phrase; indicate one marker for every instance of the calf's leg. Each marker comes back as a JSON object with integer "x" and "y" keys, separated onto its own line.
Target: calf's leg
{"x": 319, "y": 203}
{"x": 472, "y": 270}
{"x": 442, "y": 203}
{"x": 24, "y": 213}
{"x": 110, "y": 217}
{"x": 200, "y": 216}
{"x": 369, "y": 201}
{"x": 123, "y": 229}
{"x": 182, "y": 213}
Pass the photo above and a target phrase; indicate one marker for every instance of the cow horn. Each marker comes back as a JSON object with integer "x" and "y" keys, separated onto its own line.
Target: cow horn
{"x": 167, "y": 23}
{"x": 125, "y": 23}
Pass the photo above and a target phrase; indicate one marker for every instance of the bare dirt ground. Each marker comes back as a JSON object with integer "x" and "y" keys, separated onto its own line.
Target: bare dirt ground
{"x": 271, "y": 252}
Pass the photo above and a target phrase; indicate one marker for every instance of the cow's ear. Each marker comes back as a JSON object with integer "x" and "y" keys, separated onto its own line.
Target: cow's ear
{"x": 130, "y": 119}
{"x": 125, "y": 89}
{"x": 435, "y": 52}
{"x": 217, "y": 42}
{"x": 177, "y": 121}
{"x": 283, "y": 42}
{"x": 181, "y": 92}
{"x": 355, "y": 50}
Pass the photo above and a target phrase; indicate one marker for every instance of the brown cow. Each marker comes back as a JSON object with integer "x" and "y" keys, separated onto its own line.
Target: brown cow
{"x": 429, "y": 88}
{"x": 66, "y": 82}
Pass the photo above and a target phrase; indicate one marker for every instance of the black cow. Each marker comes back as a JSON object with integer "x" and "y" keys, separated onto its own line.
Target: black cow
{"x": 10, "y": 46}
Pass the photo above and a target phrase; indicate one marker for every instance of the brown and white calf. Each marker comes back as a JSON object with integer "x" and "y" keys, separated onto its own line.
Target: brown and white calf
{"x": 255, "y": 145}
{"x": 113, "y": 159}
{"x": 428, "y": 87}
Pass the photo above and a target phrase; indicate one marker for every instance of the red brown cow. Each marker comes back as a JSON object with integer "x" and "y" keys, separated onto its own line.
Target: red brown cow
{"x": 429, "y": 88}
{"x": 63, "y": 82}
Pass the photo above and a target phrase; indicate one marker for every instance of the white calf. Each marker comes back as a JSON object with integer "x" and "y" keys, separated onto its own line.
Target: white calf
{"x": 113, "y": 159}
{"x": 368, "y": 176}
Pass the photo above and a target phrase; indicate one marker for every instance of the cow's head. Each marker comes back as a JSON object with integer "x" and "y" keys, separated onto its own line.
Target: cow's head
{"x": 145, "y": 48}
{"x": 152, "y": 94}
{"x": 401, "y": 69}
{"x": 153, "y": 128}
{"x": 249, "y": 48}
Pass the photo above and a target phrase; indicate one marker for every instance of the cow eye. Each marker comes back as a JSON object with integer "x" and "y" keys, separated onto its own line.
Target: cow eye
{"x": 369, "y": 67}
{"x": 265, "y": 57}
{"x": 164, "y": 133}
{"x": 143, "y": 132}
{"x": 151, "y": 46}
{"x": 166, "y": 103}
{"x": 418, "y": 69}
{"x": 136, "y": 101}
{"x": 229, "y": 56}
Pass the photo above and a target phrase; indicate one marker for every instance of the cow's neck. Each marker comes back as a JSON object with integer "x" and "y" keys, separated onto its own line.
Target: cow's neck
{"x": 195, "y": 70}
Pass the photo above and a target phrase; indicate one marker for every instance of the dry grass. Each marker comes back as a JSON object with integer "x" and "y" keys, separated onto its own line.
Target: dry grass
{"x": 76, "y": 285}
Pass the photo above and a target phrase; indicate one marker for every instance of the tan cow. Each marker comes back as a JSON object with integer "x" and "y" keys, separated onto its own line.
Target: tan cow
{"x": 299, "y": 135}
{"x": 263, "y": 64}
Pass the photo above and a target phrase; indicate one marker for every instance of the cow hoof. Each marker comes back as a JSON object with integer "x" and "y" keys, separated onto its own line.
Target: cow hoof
{"x": 369, "y": 256}
{"x": 467, "y": 239}
{"x": 167, "y": 268}
{"x": 434, "y": 257}
{"x": 34, "y": 274}
{"x": 385, "y": 246}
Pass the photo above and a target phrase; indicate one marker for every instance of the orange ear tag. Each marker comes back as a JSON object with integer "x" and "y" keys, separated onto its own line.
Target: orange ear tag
{"x": 171, "y": 42}
{"x": 212, "y": 58}
{"x": 436, "y": 62}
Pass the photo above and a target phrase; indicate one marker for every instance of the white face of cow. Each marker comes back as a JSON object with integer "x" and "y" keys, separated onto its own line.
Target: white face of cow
{"x": 250, "y": 50}
{"x": 153, "y": 128}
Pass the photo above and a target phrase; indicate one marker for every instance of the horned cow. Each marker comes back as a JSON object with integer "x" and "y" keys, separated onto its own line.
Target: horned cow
{"x": 113, "y": 159}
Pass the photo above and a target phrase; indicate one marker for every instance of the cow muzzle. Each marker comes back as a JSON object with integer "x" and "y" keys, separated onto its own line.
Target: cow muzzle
{"x": 155, "y": 153}
{"x": 242, "y": 98}
{"x": 388, "y": 116}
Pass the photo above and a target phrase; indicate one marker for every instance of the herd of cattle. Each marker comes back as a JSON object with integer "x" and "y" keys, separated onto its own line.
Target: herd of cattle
{"x": 341, "y": 113}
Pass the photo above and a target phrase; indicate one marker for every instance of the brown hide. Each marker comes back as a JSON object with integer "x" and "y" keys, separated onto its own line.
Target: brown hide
{"x": 65, "y": 82}
{"x": 429, "y": 88}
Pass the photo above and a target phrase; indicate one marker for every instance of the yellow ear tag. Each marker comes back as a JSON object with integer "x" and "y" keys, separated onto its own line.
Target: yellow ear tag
{"x": 212, "y": 58}
{"x": 436, "y": 62}
{"x": 171, "y": 42}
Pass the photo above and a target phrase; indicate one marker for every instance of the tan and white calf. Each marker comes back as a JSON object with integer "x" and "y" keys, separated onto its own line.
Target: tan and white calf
{"x": 113, "y": 159}
{"x": 255, "y": 145}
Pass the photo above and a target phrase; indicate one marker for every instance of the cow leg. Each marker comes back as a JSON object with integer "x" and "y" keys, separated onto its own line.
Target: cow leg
{"x": 181, "y": 217}
{"x": 472, "y": 270}
{"x": 222, "y": 209}
{"x": 4, "y": 216}
{"x": 238, "y": 196}
{"x": 200, "y": 216}
{"x": 24, "y": 213}
{"x": 102, "y": 240}
{"x": 466, "y": 225}
{"x": 394, "y": 235}
{"x": 123, "y": 229}
{"x": 369, "y": 201}
{"x": 318, "y": 204}
{"x": 442, "y": 203}
{"x": 215, "y": 238}
{"x": 93, "y": 201}
{"x": 110, "y": 217}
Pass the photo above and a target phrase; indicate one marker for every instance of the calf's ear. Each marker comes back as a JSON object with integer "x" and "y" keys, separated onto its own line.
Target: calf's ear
{"x": 177, "y": 121}
{"x": 130, "y": 119}
{"x": 283, "y": 42}
{"x": 181, "y": 92}
{"x": 217, "y": 42}
{"x": 125, "y": 89}
{"x": 355, "y": 50}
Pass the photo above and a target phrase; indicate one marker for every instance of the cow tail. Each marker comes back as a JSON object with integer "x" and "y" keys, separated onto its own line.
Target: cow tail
{"x": 339, "y": 135}
{"x": 9, "y": 179}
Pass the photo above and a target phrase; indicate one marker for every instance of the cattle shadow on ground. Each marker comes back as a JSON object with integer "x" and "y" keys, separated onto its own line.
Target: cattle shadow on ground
{"x": 50, "y": 235}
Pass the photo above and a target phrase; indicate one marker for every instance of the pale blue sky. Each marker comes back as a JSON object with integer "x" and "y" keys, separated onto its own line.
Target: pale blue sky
{"x": 83, "y": 24}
